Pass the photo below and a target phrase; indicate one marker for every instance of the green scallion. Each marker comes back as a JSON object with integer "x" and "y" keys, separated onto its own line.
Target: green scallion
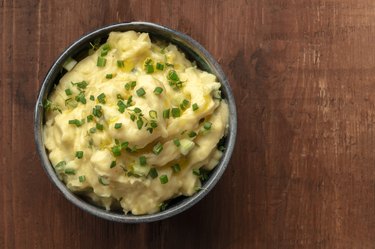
{"x": 207, "y": 125}
{"x": 82, "y": 178}
{"x": 139, "y": 123}
{"x": 153, "y": 114}
{"x": 159, "y": 66}
{"x": 192, "y": 134}
{"x": 101, "y": 61}
{"x": 176, "y": 141}
{"x": 166, "y": 113}
{"x": 116, "y": 150}
{"x": 157, "y": 148}
{"x": 103, "y": 180}
{"x": 118, "y": 125}
{"x": 97, "y": 111}
{"x": 76, "y": 122}
{"x": 99, "y": 127}
{"x": 142, "y": 161}
{"x": 158, "y": 90}
{"x": 70, "y": 171}
{"x": 176, "y": 168}
{"x": 109, "y": 76}
{"x": 153, "y": 173}
{"x": 195, "y": 107}
{"x": 90, "y": 118}
{"x": 113, "y": 164}
{"x": 163, "y": 179}
{"x": 141, "y": 92}
{"x": 120, "y": 63}
{"x": 176, "y": 112}
{"x": 79, "y": 154}
{"x": 101, "y": 98}
{"x": 68, "y": 92}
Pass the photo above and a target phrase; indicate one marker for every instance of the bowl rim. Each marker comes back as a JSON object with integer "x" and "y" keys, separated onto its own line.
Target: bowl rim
{"x": 189, "y": 201}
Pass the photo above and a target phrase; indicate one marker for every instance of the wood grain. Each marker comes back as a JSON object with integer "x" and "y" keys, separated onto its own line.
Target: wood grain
{"x": 303, "y": 171}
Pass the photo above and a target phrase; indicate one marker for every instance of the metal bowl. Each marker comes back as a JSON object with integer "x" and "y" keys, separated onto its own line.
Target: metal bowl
{"x": 194, "y": 51}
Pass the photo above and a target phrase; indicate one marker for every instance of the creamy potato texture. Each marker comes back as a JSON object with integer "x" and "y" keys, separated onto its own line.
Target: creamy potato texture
{"x": 134, "y": 124}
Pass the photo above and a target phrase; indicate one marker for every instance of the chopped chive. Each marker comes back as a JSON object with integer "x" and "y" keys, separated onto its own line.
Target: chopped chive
{"x": 81, "y": 98}
{"x": 129, "y": 101}
{"x": 120, "y": 63}
{"x": 101, "y": 98}
{"x": 92, "y": 130}
{"x": 106, "y": 46}
{"x": 137, "y": 110}
{"x": 117, "y": 141}
{"x": 76, "y": 122}
{"x": 99, "y": 127}
{"x": 153, "y": 114}
{"x": 116, "y": 150}
{"x": 172, "y": 75}
{"x": 97, "y": 111}
{"x": 90, "y": 118}
{"x": 92, "y": 97}
{"x": 68, "y": 92}
{"x": 79, "y": 154}
{"x": 176, "y": 112}
{"x": 207, "y": 125}
{"x": 82, "y": 178}
{"x": 103, "y": 52}
{"x": 141, "y": 92}
{"x": 142, "y": 161}
{"x": 81, "y": 85}
{"x": 132, "y": 117}
{"x": 149, "y": 68}
{"x": 163, "y": 179}
{"x": 71, "y": 103}
{"x": 101, "y": 61}
{"x": 127, "y": 86}
{"x": 176, "y": 168}
{"x": 109, "y": 76}
{"x": 121, "y": 106}
{"x": 166, "y": 113}
{"x": 195, "y": 107}
{"x": 176, "y": 141}
{"x": 157, "y": 148}
{"x": 159, "y": 66}
{"x": 153, "y": 173}
{"x": 118, "y": 125}
{"x": 124, "y": 145}
{"x": 113, "y": 164}
{"x": 70, "y": 171}
{"x": 133, "y": 84}
{"x": 163, "y": 206}
{"x": 185, "y": 103}
{"x": 60, "y": 164}
{"x": 192, "y": 134}
{"x": 158, "y": 90}
{"x": 119, "y": 97}
{"x": 139, "y": 123}
{"x": 103, "y": 180}
{"x": 153, "y": 124}
{"x": 196, "y": 172}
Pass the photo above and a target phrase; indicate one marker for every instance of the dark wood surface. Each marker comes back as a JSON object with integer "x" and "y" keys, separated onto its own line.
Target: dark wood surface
{"x": 303, "y": 171}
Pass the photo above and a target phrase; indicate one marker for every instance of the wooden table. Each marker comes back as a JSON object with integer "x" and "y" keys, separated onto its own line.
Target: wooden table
{"x": 303, "y": 171}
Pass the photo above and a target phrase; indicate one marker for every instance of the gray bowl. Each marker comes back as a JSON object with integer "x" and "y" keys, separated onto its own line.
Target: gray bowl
{"x": 193, "y": 51}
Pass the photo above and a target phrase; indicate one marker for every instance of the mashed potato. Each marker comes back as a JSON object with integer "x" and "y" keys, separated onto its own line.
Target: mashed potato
{"x": 135, "y": 124}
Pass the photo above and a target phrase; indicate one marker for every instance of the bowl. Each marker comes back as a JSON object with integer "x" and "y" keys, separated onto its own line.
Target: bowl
{"x": 194, "y": 51}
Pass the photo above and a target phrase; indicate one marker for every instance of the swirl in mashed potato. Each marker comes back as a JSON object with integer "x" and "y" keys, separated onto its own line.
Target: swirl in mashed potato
{"x": 135, "y": 124}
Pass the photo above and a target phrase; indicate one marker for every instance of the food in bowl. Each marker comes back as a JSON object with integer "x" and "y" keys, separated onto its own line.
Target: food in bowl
{"x": 134, "y": 124}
